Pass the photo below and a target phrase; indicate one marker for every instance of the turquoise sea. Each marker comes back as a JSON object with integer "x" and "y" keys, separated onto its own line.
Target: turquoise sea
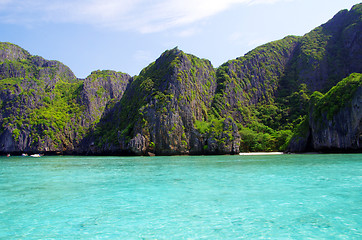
{"x": 182, "y": 197}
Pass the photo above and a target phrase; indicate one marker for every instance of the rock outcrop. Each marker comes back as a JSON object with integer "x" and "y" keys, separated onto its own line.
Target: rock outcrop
{"x": 181, "y": 104}
{"x": 253, "y": 78}
{"x": 327, "y": 54}
{"x": 335, "y": 120}
{"x": 158, "y": 111}
{"x": 44, "y": 107}
{"x": 341, "y": 133}
{"x": 99, "y": 89}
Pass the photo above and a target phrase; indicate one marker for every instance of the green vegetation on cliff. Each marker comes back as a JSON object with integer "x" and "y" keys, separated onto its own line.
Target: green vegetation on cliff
{"x": 130, "y": 110}
{"x": 43, "y": 105}
{"x": 174, "y": 88}
{"x": 180, "y": 104}
{"x": 329, "y": 114}
{"x": 252, "y": 79}
{"x": 44, "y": 98}
{"x": 246, "y": 93}
{"x": 336, "y": 98}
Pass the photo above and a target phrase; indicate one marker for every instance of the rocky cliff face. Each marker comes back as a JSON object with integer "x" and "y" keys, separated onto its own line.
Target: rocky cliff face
{"x": 254, "y": 78}
{"x": 11, "y": 52}
{"x": 327, "y": 54}
{"x": 188, "y": 88}
{"x": 26, "y": 82}
{"x": 158, "y": 111}
{"x": 343, "y": 131}
{"x": 99, "y": 89}
{"x": 44, "y": 107}
{"x": 335, "y": 120}
{"x": 180, "y": 104}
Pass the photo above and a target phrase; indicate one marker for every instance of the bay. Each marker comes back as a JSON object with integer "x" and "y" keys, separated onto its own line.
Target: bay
{"x": 182, "y": 197}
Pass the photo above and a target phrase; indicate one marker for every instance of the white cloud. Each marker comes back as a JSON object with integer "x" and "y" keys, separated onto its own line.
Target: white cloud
{"x": 137, "y": 15}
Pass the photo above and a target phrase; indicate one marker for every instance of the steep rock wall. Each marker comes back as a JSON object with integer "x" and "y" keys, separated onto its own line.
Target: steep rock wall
{"x": 44, "y": 107}
{"x": 327, "y": 54}
{"x": 335, "y": 120}
{"x": 341, "y": 133}
{"x": 254, "y": 78}
{"x": 180, "y": 104}
{"x": 158, "y": 111}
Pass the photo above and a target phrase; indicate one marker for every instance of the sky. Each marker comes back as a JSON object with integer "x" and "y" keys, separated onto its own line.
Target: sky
{"x": 127, "y": 35}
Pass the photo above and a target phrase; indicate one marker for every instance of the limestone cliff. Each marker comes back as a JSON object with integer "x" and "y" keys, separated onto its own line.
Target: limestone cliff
{"x": 158, "y": 111}
{"x": 344, "y": 131}
{"x": 335, "y": 120}
{"x": 44, "y": 107}
{"x": 99, "y": 89}
{"x": 254, "y": 78}
{"x": 327, "y": 54}
{"x": 181, "y": 104}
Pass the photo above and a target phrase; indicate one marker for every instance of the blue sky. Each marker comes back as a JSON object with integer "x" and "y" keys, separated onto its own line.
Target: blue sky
{"x": 127, "y": 35}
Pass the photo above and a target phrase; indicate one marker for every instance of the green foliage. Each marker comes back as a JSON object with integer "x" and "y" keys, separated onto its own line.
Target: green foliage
{"x": 256, "y": 91}
{"x": 130, "y": 110}
{"x": 252, "y": 78}
{"x": 313, "y": 46}
{"x": 100, "y": 91}
{"x": 203, "y": 126}
{"x": 11, "y": 49}
{"x": 11, "y": 84}
{"x": 269, "y": 127}
{"x": 293, "y": 108}
{"x": 329, "y": 104}
{"x": 211, "y": 125}
{"x": 16, "y": 133}
{"x": 59, "y": 112}
{"x": 335, "y": 99}
{"x": 302, "y": 129}
{"x": 153, "y": 90}
{"x": 104, "y": 74}
{"x": 46, "y": 104}
{"x": 260, "y": 138}
{"x": 252, "y": 141}
{"x": 147, "y": 85}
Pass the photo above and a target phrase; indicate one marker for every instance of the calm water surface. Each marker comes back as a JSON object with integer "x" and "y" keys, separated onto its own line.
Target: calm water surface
{"x": 203, "y": 197}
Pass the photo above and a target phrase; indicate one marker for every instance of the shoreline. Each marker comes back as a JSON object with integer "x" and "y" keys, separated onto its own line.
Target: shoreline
{"x": 149, "y": 154}
{"x": 260, "y": 153}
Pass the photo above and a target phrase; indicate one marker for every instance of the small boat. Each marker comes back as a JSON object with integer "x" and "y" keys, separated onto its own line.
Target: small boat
{"x": 36, "y": 155}
{"x": 24, "y": 154}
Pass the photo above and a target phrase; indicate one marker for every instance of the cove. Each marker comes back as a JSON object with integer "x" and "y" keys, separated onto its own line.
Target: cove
{"x": 182, "y": 197}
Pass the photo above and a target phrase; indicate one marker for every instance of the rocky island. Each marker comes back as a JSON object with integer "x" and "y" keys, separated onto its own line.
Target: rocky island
{"x": 297, "y": 94}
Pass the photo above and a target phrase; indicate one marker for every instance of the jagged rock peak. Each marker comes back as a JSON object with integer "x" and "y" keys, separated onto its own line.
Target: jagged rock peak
{"x": 11, "y": 52}
{"x": 168, "y": 57}
{"x": 342, "y": 19}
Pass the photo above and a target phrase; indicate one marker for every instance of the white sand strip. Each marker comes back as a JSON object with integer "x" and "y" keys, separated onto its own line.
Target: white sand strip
{"x": 260, "y": 153}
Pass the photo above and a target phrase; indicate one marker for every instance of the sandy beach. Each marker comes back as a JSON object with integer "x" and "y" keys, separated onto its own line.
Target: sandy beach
{"x": 260, "y": 153}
